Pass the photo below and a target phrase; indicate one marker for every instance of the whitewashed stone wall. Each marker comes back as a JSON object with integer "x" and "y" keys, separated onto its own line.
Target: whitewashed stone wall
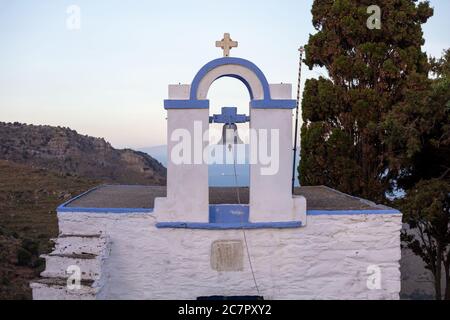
{"x": 328, "y": 259}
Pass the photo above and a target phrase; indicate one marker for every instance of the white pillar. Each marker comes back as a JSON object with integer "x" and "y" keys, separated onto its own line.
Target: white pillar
{"x": 187, "y": 184}
{"x": 270, "y": 194}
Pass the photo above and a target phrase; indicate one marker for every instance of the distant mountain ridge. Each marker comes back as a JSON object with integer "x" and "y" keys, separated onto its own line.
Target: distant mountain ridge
{"x": 65, "y": 151}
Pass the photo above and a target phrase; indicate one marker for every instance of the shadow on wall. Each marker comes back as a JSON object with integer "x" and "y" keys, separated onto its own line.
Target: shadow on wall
{"x": 417, "y": 282}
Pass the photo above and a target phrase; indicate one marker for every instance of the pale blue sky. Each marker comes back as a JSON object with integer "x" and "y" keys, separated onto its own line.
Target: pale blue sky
{"x": 109, "y": 78}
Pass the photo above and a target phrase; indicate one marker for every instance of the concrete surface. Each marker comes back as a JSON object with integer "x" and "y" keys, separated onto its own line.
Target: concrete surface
{"x": 119, "y": 196}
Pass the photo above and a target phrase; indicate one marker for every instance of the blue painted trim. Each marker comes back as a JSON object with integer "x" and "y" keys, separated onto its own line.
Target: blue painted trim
{"x": 350, "y": 212}
{"x": 186, "y": 104}
{"x": 230, "y": 60}
{"x": 226, "y": 226}
{"x": 62, "y": 206}
{"x": 62, "y": 209}
{"x": 273, "y": 104}
{"x": 103, "y": 210}
{"x": 204, "y": 104}
{"x": 229, "y": 213}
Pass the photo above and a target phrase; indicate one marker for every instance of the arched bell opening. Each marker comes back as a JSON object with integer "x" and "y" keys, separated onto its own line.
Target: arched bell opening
{"x": 229, "y": 111}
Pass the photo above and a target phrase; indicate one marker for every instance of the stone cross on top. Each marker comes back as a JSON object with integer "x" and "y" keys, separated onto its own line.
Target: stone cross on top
{"x": 226, "y": 44}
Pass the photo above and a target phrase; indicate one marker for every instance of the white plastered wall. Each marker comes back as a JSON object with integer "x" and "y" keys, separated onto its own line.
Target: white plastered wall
{"x": 332, "y": 258}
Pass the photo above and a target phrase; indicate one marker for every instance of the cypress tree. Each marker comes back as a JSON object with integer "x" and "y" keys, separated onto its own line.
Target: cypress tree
{"x": 370, "y": 71}
{"x": 418, "y": 148}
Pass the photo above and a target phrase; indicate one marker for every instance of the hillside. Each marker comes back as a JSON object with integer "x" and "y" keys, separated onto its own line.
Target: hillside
{"x": 28, "y": 199}
{"x": 64, "y": 151}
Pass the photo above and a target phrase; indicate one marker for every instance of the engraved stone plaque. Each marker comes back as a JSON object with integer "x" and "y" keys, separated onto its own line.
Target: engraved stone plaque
{"x": 227, "y": 255}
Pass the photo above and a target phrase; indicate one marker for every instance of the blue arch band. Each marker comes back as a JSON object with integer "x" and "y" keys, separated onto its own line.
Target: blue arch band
{"x": 186, "y": 104}
{"x": 231, "y": 61}
{"x": 266, "y": 103}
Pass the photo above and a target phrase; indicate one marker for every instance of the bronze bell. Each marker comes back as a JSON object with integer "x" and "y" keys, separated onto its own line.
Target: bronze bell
{"x": 230, "y": 135}
{"x": 229, "y": 118}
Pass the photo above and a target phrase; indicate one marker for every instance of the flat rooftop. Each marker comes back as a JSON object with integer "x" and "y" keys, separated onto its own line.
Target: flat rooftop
{"x": 136, "y": 196}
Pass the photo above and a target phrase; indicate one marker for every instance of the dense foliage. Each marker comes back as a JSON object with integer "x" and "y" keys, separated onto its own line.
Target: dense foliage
{"x": 423, "y": 133}
{"x": 379, "y": 125}
{"x": 370, "y": 71}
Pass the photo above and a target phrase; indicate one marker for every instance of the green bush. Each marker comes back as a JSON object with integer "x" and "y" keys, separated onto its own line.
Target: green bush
{"x": 24, "y": 257}
{"x": 31, "y": 246}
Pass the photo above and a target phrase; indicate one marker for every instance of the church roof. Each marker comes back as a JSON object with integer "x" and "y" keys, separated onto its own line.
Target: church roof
{"x": 142, "y": 197}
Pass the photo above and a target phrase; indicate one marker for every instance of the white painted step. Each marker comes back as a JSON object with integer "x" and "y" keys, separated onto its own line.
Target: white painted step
{"x": 56, "y": 289}
{"x": 80, "y": 244}
{"x": 57, "y": 265}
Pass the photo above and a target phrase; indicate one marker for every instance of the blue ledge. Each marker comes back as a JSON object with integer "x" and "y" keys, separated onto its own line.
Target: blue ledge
{"x": 103, "y": 210}
{"x": 273, "y": 104}
{"x": 63, "y": 209}
{"x": 204, "y": 104}
{"x": 186, "y": 104}
{"x": 226, "y": 226}
{"x": 350, "y": 212}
